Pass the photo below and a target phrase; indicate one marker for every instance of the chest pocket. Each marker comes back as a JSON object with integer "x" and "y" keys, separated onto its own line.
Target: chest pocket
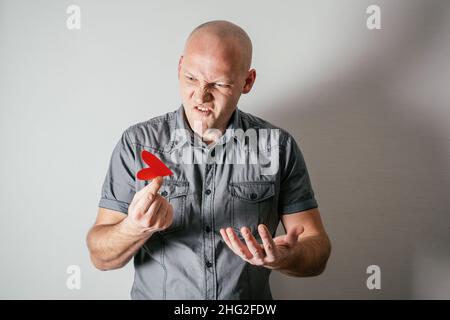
{"x": 252, "y": 204}
{"x": 176, "y": 192}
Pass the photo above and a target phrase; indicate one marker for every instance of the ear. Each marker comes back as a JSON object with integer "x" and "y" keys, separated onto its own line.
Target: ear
{"x": 249, "y": 81}
{"x": 179, "y": 66}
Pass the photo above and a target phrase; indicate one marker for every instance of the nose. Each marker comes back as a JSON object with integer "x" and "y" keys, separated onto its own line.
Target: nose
{"x": 202, "y": 95}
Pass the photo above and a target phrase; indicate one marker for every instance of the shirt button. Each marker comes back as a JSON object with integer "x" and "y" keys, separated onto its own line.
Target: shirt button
{"x": 208, "y": 264}
{"x": 207, "y": 229}
{"x": 213, "y": 152}
{"x": 253, "y": 196}
{"x": 164, "y": 193}
{"x": 208, "y": 192}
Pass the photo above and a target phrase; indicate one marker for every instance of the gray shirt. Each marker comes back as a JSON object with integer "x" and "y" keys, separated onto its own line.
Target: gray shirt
{"x": 252, "y": 175}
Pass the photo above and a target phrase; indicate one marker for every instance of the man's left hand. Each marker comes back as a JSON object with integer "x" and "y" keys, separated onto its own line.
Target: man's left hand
{"x": 273, "y": 253}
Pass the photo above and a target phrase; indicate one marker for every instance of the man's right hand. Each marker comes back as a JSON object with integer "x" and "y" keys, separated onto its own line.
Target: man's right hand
{"x": 149, "y": 212}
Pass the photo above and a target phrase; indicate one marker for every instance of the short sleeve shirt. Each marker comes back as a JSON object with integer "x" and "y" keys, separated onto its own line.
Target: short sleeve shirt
{"x": 252, "y": 175}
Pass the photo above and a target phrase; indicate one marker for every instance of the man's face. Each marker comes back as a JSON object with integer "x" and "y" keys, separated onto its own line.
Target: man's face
{"x": 211, "y": 82}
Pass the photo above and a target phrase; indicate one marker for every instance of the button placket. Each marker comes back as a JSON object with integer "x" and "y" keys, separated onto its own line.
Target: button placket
{"x": 208, "y": 223}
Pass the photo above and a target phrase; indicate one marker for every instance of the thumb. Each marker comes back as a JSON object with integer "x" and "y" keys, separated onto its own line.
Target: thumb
{"x": 153, "y": 187}
{"x": 292, "y": 236}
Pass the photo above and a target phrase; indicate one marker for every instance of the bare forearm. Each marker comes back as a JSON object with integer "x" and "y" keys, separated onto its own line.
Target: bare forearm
{"x": 310, "y": 257}
{"x": 112, "y": 246}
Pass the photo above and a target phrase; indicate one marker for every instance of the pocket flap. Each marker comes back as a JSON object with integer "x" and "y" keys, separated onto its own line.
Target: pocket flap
{"x": 173, "y": 189}
{"x": 252, "y": 191}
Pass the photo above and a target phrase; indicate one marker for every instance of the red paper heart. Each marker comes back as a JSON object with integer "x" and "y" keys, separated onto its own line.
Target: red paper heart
{"x": 157, "y": 167}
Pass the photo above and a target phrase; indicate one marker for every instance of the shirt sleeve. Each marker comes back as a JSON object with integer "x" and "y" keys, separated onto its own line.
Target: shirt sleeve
{"x": 119, "y": 186}
{"x": 296, "y": 192}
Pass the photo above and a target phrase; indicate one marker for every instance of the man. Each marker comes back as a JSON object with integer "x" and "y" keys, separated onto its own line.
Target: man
{"x": 207, "y": 231}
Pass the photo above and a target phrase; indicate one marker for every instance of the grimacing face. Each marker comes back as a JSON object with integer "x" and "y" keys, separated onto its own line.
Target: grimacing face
{"x": 211, "y": 83}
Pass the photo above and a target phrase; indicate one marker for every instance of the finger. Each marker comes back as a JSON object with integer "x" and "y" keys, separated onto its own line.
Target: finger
{"x": 268, "y": 243}
{"x": 141, "y": 200}
{"x": 252, "y": 244}
{"x": 238, "y": 246}
{"x": 161, "y": 215}
{"x": 226, "y": 239}
{"x": 141, "y": 205}
{"x": 151, "y": 213}
{"x": 280, "y": 240}
{"x": 292, "y": 236}
{"x": 151, "y": 190}
{"x": 169, "y": 217}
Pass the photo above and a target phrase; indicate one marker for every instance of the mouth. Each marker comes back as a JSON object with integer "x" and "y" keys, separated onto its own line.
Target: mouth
{"x": 204, "y": 111}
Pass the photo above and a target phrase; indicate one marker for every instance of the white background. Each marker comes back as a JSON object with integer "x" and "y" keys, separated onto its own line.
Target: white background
{"x": 370, "y": 110}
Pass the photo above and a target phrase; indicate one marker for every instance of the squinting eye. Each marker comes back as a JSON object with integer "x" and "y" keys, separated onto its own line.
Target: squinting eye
{"x": 190, "y": 78}
{"x": 220, "y": 85}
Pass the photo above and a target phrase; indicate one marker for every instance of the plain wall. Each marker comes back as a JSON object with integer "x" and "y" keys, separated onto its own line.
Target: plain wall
{"x": 370, "y": 110}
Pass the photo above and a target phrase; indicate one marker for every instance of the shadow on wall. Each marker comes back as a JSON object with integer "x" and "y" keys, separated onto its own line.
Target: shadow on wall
{"x": 380, "y": 173}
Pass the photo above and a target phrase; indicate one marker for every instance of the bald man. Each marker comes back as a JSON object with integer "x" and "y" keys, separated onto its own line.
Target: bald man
{"x": 208, "y": 231}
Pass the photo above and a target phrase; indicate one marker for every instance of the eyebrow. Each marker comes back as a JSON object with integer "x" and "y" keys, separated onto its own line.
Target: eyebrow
{"x": 223, "y": 79}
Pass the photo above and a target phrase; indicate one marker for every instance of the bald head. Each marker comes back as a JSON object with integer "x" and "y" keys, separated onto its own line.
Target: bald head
{"x": 223, "y": 36}
{"x": 214, "y": 71}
